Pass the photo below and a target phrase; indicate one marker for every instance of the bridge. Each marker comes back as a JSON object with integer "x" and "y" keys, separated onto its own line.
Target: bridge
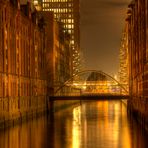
{"x": 90, "y": 85}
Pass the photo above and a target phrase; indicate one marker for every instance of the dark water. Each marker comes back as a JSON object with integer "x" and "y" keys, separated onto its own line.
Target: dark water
{"x": 101, "y": 124}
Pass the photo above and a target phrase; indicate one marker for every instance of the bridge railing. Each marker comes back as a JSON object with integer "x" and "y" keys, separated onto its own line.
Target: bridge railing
{"x": 93, "y": 90}
{"x": 81, "y": 84}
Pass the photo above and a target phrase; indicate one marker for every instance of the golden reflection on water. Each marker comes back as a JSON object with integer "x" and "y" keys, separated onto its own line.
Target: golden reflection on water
{"x": 108, "y": 126}
{"x": 112, "y": 129}
{"x": 27, "y": 135}
{"x": 76, "y": 127}
{"x": 99, "y": 124}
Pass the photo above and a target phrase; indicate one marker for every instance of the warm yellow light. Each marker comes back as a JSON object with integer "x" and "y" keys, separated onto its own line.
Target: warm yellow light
{"x": 35, "y": 2}
{"x": 75, "y": 84}
{"x": 76, "y": 132}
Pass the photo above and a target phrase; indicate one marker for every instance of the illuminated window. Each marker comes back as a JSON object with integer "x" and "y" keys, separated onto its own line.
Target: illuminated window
{"x": 69, "y": 21}
{"x": 69, "y": 26}
{"x": 72, "y": 41}
{"x": 35, "y": 2}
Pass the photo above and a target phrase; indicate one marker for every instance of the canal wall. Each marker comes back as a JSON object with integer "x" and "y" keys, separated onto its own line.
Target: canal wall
{"x": 137, "y": 107}
{"x": 13, "y": 116}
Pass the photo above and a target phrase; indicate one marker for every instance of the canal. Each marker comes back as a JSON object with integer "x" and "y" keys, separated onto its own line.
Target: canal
{"x": 91, "y": 124}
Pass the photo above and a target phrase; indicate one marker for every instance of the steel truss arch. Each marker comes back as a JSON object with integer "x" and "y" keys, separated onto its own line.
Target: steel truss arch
{"x": 91, "y": 71}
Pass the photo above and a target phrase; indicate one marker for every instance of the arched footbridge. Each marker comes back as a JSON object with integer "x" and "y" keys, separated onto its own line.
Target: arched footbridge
{"x": 92, "y": 84}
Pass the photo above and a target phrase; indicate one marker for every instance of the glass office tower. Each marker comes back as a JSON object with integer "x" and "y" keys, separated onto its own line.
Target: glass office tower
{"x": 68, "y": 12}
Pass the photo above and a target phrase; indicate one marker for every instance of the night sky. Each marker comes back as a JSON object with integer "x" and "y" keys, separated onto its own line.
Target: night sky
{"x": 102, "y": 23}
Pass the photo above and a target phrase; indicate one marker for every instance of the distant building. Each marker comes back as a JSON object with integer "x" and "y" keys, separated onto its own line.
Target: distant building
{"x": 67, "y": 12}
{"x": 93, "y": 81}
{"x": 124, "y": 60}
{"x": 59, "y": 53}
{"x": 95, "y": 76}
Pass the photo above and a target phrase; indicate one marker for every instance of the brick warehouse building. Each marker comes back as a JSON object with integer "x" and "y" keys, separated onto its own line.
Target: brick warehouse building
{"x": 138, "y": 59}
{"x": 34, "y": 57}
{"x": 23, "y": 84}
